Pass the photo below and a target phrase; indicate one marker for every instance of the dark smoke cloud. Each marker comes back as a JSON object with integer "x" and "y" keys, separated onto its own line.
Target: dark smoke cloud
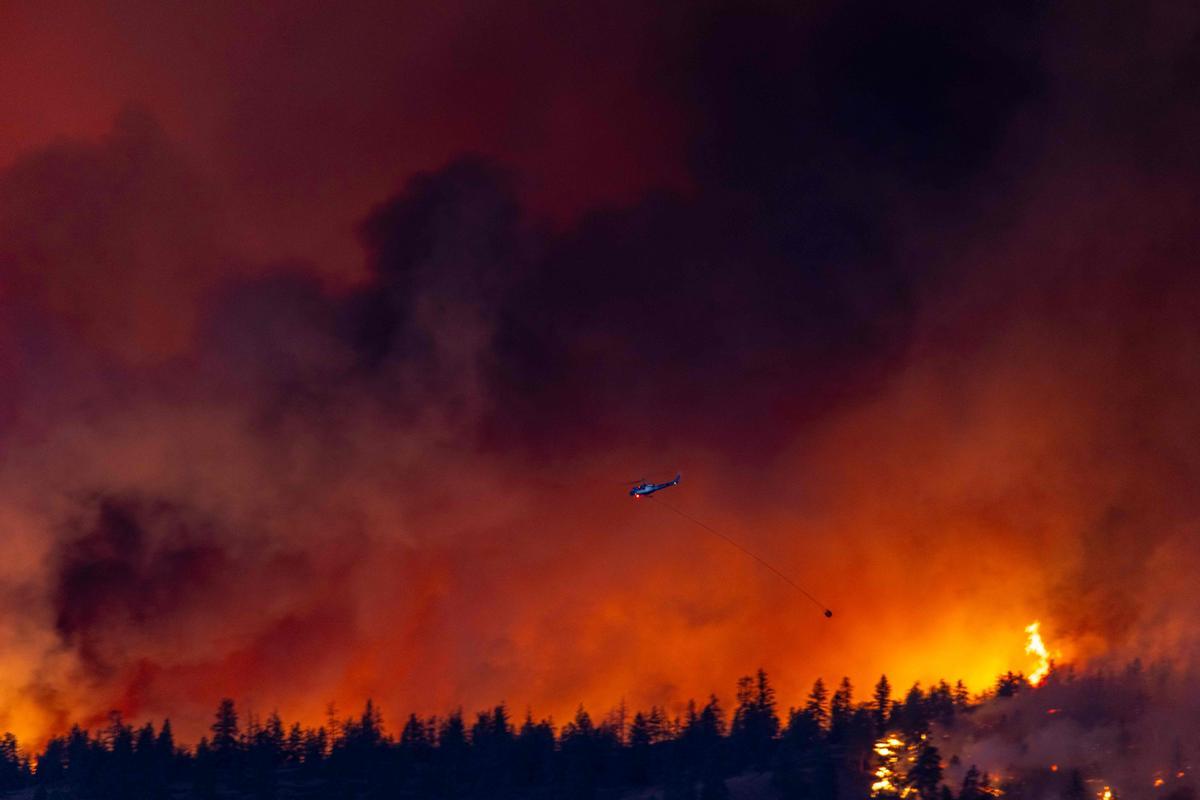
{"x": 134, "y": 566}
{"x": 781, "y": 275}
{"x": 1131, "y": 728}
{"x": 864, "y": 102}
{"x": 120, "y": 239}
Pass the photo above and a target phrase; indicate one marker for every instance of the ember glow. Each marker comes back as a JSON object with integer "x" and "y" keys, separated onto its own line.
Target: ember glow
{"x": 893, "y": 756}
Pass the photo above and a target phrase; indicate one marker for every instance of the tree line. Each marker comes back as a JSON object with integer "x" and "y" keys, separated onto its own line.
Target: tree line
{"x": 826, "y": 749}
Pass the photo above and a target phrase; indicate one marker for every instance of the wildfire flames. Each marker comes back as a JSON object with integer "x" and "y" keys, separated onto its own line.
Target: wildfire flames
{"x": 1034, "y": 646}
{"x": 988, "y": 753}
{"x": 893, "y": 752}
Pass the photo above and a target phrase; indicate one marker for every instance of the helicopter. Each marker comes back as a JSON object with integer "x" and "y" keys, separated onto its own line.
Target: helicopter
{"x": 644, "y": 489}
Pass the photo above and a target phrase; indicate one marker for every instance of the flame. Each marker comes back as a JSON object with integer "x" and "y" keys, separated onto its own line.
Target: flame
{"x": 888, "y": 777}
{"x": 1034, "y": 646}
{"x": 1158, "y": 782}
{"x": 1107, "y": 793}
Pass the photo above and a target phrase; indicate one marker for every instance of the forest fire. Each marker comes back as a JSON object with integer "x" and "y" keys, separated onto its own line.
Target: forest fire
{"x": 894, "y": 756}
{"x": 302, "y": 414}
{"x": 1037, "y": 648}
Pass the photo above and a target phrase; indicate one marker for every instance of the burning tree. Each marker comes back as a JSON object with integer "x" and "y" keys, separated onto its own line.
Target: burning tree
{"x": 895, "y": 758}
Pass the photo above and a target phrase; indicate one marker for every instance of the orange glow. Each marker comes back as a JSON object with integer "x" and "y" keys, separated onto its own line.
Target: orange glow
{"x": 894, "y": 756}
{"x": 688, "y": 617}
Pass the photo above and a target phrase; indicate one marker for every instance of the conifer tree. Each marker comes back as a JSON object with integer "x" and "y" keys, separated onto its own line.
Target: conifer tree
{"x": 962, "y": 698}
{"x": 970, "y": 785}
{"x": 815, "y": 708}
{"x": 841, "y": 708}
{"x": 226, "y": 738}
{"x": 926, "y": 775}
{"x": 881, "y": 709}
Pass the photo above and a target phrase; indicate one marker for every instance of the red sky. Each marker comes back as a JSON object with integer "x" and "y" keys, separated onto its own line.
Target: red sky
{"x": 304, "y": 115}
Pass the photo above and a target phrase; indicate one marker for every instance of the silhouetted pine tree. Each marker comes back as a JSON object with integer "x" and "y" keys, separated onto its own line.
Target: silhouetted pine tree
{"x": 52, "y": 764}
{"x": 264, "y": 755}
{"x": 1010, "y": 684}
{"x": 582, "y": 759}
{"x": 755, "y": 723}
{"x": 116, "y": 772}
{"x": 293, "y": 747}
{"x": 882, "y": 705}
{"x": 145, "y": 764}
{"x": 962, "y": 698}
{"x": 492, "y": 748}
{"x": 702, "y": 737}
{"x": 639, "y": 769}
{"x": 316, "y": 746}
{"x": 534, "y": 753}
{"x": 804, "y": 766}
{"x": 81, "y": 761}
{"x": 204, "y": 771}
{"x": 841, "y": 708}
{"x": 226, "y": 741}
{"x": 913, "y": 715}
{"x": 940, "y": 703}
{"x": 166, "y": 752}
{"x": 13, "y": 773}
{"x": 817, "y": 705}
{"x": 453, "y": 756}
{"x": 970, "y": 785}
{"x": 926, "y": 775}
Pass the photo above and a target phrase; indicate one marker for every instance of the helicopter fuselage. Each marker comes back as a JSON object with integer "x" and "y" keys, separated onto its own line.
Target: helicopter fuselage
{"x": 647, "y": 489}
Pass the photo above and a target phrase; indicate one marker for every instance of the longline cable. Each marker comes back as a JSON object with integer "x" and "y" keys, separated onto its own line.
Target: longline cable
{"x": 755, "y": 556}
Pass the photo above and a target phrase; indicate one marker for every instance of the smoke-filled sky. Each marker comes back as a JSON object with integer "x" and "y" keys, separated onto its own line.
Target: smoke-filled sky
{"x": 331, "y": 332}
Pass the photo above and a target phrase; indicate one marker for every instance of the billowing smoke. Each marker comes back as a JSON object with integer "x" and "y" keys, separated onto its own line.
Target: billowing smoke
{"x": 919, "y": 327}
{"x": 1130, "y": 730}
